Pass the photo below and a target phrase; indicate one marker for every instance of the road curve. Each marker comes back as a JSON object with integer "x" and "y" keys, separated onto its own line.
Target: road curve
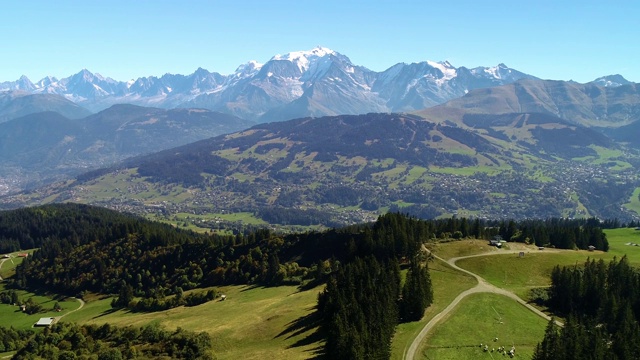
{"x": 482, "y": 287}
{"x": 72, "y": 311}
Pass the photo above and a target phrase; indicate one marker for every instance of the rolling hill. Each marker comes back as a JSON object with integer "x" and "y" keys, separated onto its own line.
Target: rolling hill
{"x": 345, "y": 169}
{"x": 15, "y": 104}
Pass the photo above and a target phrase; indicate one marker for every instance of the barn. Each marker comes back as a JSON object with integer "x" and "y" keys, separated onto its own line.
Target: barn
{"x": 44, "y": 322}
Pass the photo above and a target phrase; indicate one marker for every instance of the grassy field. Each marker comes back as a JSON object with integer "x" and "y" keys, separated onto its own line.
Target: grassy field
{"x": 534, "y": 269}
{"x": 634, "y": 201}
{"x": 12, "y": 316}
{"x": 447, "y": 284}
{"x": 448, "y": 250}
{"x": 479, "y": 319}
{"x": 253, "y": 323}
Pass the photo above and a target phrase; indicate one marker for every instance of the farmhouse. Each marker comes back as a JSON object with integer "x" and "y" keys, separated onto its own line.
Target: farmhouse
{"x": 44, "y": 322}
{"x": 24, "y": 255}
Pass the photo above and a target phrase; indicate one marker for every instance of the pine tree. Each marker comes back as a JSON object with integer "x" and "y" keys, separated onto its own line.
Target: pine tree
{"x": 417, "y": 293}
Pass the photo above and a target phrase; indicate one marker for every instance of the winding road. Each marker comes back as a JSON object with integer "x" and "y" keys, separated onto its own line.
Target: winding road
{"x": 482, "y": 287}
{"x": 70, "y": 312}
{"x": 2, "y": 263}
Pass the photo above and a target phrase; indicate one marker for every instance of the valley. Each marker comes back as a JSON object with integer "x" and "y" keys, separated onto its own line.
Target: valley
{"x": 293, "y": 175}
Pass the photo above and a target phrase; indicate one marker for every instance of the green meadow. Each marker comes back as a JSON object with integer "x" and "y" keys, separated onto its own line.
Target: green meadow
{"x": 480, "y": 319}
{"x": 447, "y": 284}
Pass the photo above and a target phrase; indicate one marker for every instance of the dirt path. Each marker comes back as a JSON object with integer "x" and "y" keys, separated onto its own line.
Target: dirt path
{"x": 2, "y": 263}
{"x": 70, "y": 312}
{"x": 482, "y": 287}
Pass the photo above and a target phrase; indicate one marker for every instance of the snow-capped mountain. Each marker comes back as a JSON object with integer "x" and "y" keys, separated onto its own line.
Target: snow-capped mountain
{"x": 316, "y": 82}
{"x": 611, "y": 81}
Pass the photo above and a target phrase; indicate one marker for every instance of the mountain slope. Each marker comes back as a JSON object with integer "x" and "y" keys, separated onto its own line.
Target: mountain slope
{"x": 48, "y": 145}
{"x": 15, "y": 104}
{"x": 585, "y": 104}
{"x": 345, "y": 169}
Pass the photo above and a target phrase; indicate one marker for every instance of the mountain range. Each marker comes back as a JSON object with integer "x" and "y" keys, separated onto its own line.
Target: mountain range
{"x": 589, "y": 104}
{"x": 42, "y": 147}
{"x": 429, "y": 139}
{"x": 317, "y": 82}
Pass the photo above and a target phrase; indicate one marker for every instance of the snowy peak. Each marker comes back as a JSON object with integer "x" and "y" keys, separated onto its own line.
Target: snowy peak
{"x": 447, "y": 70}
{"x": 248, "y": 69}
{"x": 611, "y": 81}
{"x": 305, "y": 59}
{"x": 314, "y": 82}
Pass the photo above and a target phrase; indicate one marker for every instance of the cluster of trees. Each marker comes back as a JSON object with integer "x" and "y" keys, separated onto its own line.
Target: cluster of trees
{"x": 9, "y": 297}
{"x": 70, "y": 341}
{"x": 126, "y": 299}
{"x": 595, "y": 289}
{"x": 12, "y": 339}
{"x": 602, "y": 304}
{"x": 364, "y": 300}
{"x": 359, "y": 308}
{"x": 556, "y": 232}
{"x": 183, "y": 168}
{"x": 84, "y": 248}
{"x": 64, "y": 226}
{"x": 292, "y": 216}
{"x": 417, "y": 293}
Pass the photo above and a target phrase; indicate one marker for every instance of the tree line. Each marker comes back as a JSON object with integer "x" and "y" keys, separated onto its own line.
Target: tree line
{"x": 364, "y": 299}
{"x": 602, "y": 304}
{"x": 85, "y": 248}
{"x": 68, "y": 341}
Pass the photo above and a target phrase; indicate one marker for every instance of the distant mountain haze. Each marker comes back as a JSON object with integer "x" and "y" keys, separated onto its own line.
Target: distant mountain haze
{"x": 15, "y": 104}
{"x": 586, "y": 104}
{"x": 48, "y": 145}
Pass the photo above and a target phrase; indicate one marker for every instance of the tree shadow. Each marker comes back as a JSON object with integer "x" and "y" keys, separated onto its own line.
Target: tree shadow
{"x": 105, "y": 313}
{"x": 251, "y": 287}
{"x": 307, "y": 323}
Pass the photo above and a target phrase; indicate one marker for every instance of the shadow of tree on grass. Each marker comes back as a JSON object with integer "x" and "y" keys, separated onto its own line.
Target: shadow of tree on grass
{"x": 309, "y": 323}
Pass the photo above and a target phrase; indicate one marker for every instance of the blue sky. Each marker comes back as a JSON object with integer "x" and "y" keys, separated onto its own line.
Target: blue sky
{"x": 578, "y": 40}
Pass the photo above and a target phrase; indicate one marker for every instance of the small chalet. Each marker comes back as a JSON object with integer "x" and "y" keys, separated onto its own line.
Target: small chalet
{"x": 591, "y": 247}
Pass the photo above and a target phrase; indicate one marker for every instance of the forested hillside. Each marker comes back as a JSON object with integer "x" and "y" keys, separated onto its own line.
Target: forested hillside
{"x": 85, "y": 248}
{"x": 602, "y": 304}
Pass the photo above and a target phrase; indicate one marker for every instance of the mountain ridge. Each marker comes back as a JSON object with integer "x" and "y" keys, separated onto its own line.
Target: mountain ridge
{"x": 293, "y": 85}
{"x": 346, "y": 169}
{"x": 42, "y": 147}
{"x": 15, "y": 104}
